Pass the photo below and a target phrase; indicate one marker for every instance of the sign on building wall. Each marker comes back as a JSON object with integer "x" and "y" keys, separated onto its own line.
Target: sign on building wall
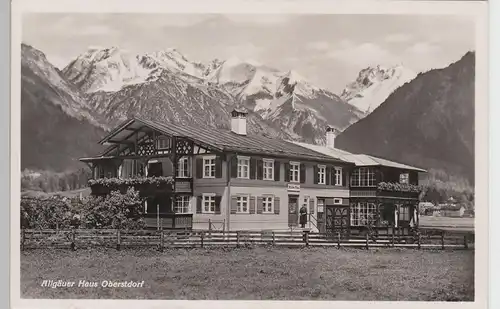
{"x": 292, "y": 187}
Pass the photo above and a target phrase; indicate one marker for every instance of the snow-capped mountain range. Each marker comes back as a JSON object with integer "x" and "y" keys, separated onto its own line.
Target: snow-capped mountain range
{"x": 374, "y": 84}
{"x": 108, "y": 85}
{"x": 283, "y": 99}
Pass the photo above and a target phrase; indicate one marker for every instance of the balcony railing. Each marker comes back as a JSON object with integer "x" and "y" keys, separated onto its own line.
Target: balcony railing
{"x": 145, "y": 185}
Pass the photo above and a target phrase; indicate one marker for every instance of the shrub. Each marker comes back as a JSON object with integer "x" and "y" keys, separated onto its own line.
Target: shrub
{"x": 115, "y": 210}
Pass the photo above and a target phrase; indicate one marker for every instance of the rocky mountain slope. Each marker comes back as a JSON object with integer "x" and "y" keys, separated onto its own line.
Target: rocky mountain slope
{"x": 374, "y": 84}
{"x": 57, "y": 127}
{"x": 428, "y": 122}
{"x": 167, "y": 86}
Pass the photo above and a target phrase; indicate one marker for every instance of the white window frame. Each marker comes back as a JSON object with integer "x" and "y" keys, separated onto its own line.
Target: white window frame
{"x": 337, "y": 201}
{"x": 240, "y": 199}
{"x": 266, "y": 169}
{"x": 404, "y": 178}
{"x": 338, "y": 176}
{"x": 295, "y": 171}
{"x": 363, "y": 177}
{"x": 207, "y": 163}
{"x": 362, "y": 213}
{"x": 184, "y": 171}
{"x": 181, "y": 204}
{"x": 242, "y": 163}
{"x": 322, "y": 174}
{"x": 210, "y": 198}
{"x": 268, "y": 201}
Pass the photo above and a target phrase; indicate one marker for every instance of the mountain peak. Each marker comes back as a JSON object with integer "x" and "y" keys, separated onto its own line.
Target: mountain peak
{"x": 374, "y": 84}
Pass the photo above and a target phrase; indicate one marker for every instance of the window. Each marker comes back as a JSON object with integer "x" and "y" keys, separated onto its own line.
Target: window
{"x": 294, "y": 172}
{"x": 321, "y": 204}
{"x": 208, "y": 203}
{"x": 162, "y": 142}
{"x": 267, "y": 204}
{"x": 184, "y": 168}
{"x": 404, "y": 178}
{"x": 363, "y": 214}
{"x": 209, "y": 167}
{"x": 268, "y": 169}
{"x": 363, "y": 177}
{"x": 321, "y": 174}
{"x": 337, "y": 201}
{"x": 243, "y": 167}
{"x": 182, "y": 204}
{"x": 338, "y": 176}
{"x": 242, "y": 202}
{"x": 404, "y": 213}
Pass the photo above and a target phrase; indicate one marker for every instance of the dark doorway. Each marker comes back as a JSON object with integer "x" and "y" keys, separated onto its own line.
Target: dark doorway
{"x": 293, "y": 210}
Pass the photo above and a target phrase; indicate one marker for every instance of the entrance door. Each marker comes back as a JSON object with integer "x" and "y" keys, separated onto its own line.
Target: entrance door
{"x": 337, "y": 220}
{"x": 293, "y": 210}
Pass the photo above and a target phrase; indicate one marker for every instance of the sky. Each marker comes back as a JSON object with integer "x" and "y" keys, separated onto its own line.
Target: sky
{"x": 329, "y": 50}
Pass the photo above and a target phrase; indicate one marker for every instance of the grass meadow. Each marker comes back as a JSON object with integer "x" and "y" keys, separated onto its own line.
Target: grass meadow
{"x": 268, "y": 273}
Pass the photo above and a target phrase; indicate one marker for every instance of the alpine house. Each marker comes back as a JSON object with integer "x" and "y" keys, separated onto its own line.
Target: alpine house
{"x": 201, "y": 177}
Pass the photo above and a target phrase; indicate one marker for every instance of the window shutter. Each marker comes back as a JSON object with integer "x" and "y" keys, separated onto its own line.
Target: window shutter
{"x": 234, "y": 167}
{"x": 252, "y": 205}
{"x": 344, "y": 177}
{"x": 276, "y": 171}
{"x": 218, "y": 167}
{"x": 311, "y": 205}
{"x": 260, "y": 169}
{"x": 302, "y": 173}
{"x": 217, "y": 204}
{"x": 234, "y": 204}
{"x": 329, "y": 175}
{"x": 260, "y": 204}
{"x": 287, "y": 171}
{"x": 199, "y": 168}
{"x": 277, "y": 205}
{"x": 316, "y": 174}
{"x": 198, "y": 204}
{"x": 253, "y": 165}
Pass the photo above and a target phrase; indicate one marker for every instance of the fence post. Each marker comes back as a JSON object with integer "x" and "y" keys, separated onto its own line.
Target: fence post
{"x": 162, "y": 240}
{"x": 442, "y": 240}
{"x": 338, "y": 240}
{"x": 73, "y": 238}
{"x": 466, "y": 245}
{"x": 418, "y": 240}
{"x": 237, "y": 239}
{"x": 306, "y": 237}
{"x": 367, "y": 238}
{"x": 118, "y": 239}
{"x": 274, "y": 239}
{"x": 202, "y": 237}
{"x": 209, "y": 227}
{"x": 392, "y": 238}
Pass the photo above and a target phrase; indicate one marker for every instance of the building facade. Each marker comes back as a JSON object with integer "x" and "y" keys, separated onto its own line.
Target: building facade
{"x": 222, "y": 179}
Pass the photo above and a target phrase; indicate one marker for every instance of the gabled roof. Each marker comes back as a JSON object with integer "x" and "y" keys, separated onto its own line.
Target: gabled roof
{"x": 357, "y": 159}
{"x": 222, "y": 140}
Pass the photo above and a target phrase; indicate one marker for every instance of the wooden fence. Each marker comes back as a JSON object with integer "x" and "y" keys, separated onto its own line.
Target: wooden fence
{"x": 118, "y": 239}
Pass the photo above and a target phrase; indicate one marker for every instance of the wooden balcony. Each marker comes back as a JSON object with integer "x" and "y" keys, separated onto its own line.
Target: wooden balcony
{"x": 147, "y": 186}
{"x": 168, "y": 221}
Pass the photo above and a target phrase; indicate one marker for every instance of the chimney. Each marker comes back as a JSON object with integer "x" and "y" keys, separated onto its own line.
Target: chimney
{"x": 239, "y": 121}
{"x": 331, "y": 134}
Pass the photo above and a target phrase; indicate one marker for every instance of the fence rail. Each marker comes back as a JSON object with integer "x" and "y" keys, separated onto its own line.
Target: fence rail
{"x": 85, "y": 238}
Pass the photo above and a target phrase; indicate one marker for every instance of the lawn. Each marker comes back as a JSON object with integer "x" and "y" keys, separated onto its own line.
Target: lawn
{"x": 255, "y": 273}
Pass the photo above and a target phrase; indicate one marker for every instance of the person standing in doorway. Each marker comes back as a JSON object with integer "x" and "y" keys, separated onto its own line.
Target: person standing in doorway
{"x": 303, "y": 216}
